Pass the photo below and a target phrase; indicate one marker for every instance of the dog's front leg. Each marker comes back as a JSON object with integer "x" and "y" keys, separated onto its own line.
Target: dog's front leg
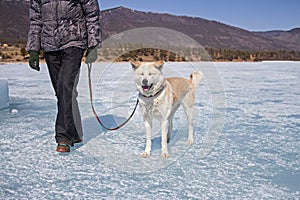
{"x": 148, "y": 127}
{"x": 164, "y": 139}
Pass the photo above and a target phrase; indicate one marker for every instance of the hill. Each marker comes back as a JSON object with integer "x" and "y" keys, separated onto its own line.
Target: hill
{"x": 14, "y": 25}
{"x": 208, "y": 33}
{"x": 14, "y": 21}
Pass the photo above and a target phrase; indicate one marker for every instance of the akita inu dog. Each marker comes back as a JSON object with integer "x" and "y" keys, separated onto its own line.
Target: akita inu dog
{"x": 160, "y": 97}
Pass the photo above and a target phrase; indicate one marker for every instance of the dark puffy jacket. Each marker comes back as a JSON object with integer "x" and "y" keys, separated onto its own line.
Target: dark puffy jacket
{"x": 59, "y": 24}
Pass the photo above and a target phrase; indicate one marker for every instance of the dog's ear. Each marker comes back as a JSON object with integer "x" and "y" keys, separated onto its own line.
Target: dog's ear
{"x": 134, "y": 64}
{"x": 159, "y": 65}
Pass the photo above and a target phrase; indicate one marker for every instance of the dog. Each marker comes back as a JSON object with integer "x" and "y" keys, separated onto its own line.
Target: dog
{"x": 160, "y": 97}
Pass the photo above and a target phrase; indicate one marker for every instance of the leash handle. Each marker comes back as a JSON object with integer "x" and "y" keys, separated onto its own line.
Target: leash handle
{"x": 89, "y": 65}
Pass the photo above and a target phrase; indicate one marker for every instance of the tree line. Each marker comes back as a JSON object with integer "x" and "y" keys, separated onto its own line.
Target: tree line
{"x": 201, "y": 54}
{"x": 240, "y": 55}
{"x": 174, "y": 54}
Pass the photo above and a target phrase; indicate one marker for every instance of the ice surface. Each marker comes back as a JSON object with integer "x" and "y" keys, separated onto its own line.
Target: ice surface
{"x": 4, "y": 98}
{"x": 256, "y": 155}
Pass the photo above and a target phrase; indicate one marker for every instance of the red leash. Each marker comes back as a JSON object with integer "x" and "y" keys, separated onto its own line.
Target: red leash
{"x": 89, "y": 65}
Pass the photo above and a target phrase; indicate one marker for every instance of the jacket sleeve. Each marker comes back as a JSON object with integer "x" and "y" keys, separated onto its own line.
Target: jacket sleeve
{"x": 35, "y": 29}
{"x": 92, "y": 14}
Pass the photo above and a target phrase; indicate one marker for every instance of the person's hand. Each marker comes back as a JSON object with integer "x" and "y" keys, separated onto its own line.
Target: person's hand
{"x": 34, "y": 60}
{"x": 91, "y": 55}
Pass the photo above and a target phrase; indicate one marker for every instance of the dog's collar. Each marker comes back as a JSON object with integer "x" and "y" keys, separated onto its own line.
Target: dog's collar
{"x": 162, "y": 87}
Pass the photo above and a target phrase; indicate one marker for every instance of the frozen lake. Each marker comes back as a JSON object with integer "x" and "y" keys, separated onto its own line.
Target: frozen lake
{"x": 247, "y": 137}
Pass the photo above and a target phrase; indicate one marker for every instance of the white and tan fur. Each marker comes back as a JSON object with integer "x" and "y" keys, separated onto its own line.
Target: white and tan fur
{"x": 160, "y": 98}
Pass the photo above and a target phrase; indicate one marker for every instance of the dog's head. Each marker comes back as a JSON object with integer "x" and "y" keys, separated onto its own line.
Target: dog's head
{"x": 148, "y": 77}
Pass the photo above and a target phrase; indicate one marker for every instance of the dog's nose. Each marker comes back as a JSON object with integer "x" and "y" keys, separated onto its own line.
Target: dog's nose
{"x": 145, "y": 82}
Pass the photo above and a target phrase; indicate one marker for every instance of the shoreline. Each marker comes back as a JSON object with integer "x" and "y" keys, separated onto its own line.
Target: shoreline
{"x": 18, "y": 54}
{"x": 103, "y": 61}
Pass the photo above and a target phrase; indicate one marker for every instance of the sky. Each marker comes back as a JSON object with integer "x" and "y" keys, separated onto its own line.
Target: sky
{"x": 254, "y": 15}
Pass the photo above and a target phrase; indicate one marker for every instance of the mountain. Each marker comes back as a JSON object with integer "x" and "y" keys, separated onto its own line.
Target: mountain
{"x": 288, "y": 39}
{"x": 14, "y": 21}
{"x": 208, "y": 33}
{"x": 14, "y": 26}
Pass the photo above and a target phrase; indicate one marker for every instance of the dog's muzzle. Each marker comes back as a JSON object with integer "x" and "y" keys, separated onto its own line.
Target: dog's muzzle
{"x": 145, "y": 85}
{"x": 146, "y": 88}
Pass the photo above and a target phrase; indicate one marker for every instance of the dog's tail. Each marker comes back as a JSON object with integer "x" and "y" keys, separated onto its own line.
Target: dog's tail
{"x": 195, "y": 78}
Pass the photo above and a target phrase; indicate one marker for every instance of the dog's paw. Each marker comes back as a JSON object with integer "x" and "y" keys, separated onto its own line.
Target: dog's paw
{"x": 190, "y": 142}
{"x": 146, "y": 154}
{"x": 164, "y": 155}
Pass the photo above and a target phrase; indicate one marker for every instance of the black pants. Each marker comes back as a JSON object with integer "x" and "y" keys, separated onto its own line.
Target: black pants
{"x": 64, "y": 67}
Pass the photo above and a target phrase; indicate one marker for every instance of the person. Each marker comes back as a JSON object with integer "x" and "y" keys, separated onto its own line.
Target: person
{"x": 63, "y": 30}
